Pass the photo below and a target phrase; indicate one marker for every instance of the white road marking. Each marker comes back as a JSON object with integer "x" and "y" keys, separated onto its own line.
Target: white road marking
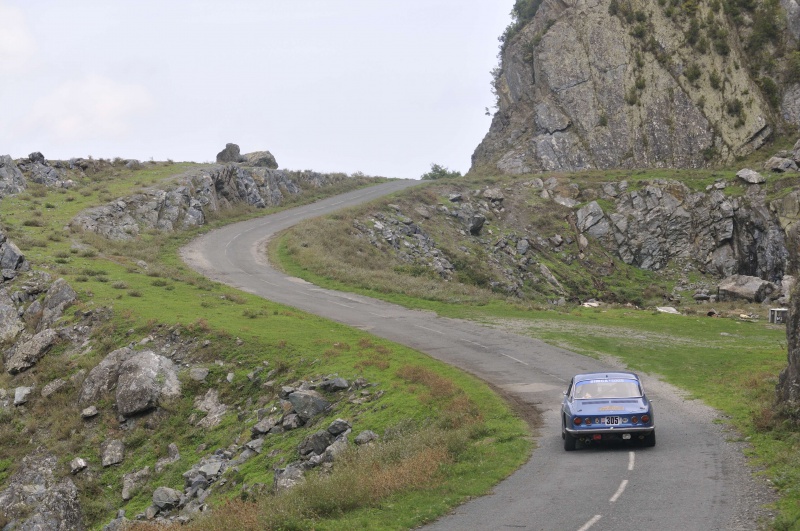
{"x": 513, "y": 358}
{"x": 619, "y": 492}
{"x": 429, "y": 329}
{"x": 340, "y": 304}
{"x": 474, "y": 343}
{"x": 596, "y": 518}
{"x": 631, "y": 460}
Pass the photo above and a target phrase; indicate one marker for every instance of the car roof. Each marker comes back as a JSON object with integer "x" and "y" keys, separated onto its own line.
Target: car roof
{"x": 604, "y": 376}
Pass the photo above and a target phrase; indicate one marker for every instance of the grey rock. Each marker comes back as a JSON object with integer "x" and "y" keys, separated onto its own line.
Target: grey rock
{"x": 133, "y": 481}
{"x": 315, "y": 444}
{"x": 291, "y": 421}
{"x": 89, "y": 412}
{"x": 261, "y": 159}
{"x": 165, "y": 498}
{"x": 112, "y": 452}
{"x": 102, "y": 379}
{"x": 21, "y": 395}
{"x": 10, "y": 323}
{"x": 77, "y": 464}
{"x": 58, "y": 297}
{"x": 780, "y": 165}
{"x": 143, "y": 380}
{"x": 198, "y": 374}
{"x": 366, "y": 437}
{"x": 210, "y": 404}
{"x": 750, "y": 176}
{"x": 11, "y": 179}
{"x": 748, "y": 288}
{"x": 264, "y": 426}
{"x": 286, "y": 478}
{"x": 229, "y": 154}
{"x": 494, "y": 195}
{"x": 29, "y": 350}
{"x": 335, "y": 384}
{"x": 308, "y": 404}
{"x": 53, "y": 387}
{"x": 475, "y": 224}
{"x": 11, "y": 257}
{"x": 338, "y": 426}
{"x": 38, "y": 500}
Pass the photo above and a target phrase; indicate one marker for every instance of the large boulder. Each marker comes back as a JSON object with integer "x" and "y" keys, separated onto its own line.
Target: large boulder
{"x": 25, "y": 353}
{"x": 11, "y": 179}
{"x": 743, "y": 287}
{"x": 229, "y": 154}
{"x": 36, "y": 499}
{"x": 143, "y": 380}
{"x": 308, "y": 404}
{"x": 261, "y": 159}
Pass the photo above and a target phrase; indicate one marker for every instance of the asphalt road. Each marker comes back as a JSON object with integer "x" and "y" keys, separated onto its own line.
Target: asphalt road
{"x": 694, "y": 479}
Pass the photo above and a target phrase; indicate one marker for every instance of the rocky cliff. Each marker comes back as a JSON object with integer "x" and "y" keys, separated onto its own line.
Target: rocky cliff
{"x": 630, "y": 83}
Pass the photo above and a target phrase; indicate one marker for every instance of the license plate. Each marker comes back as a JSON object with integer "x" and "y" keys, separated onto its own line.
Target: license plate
{"x": 611, "y": 420}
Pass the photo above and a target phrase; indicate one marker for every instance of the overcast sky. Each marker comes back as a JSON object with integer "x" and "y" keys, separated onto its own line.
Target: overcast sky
{"x": 383, "y": 87}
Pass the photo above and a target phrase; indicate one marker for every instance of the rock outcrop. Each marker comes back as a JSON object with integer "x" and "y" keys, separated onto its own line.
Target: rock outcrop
{"x": 611, "y": 83}
{"x": 37, "y": 499}
{"x": 198, "y": 193}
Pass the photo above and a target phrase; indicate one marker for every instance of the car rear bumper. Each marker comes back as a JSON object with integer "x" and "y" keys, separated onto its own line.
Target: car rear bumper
{"x": 586, "y": 432}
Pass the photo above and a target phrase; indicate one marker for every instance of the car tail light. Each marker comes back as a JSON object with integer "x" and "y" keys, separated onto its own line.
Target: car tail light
{"x": 577, "y": 421}
{"x": 645, "y": 419}
{"x": 634, "y": 420}
{"x": 588, "y": 421}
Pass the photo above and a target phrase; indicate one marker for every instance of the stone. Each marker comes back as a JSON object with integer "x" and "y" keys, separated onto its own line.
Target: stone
{"x": 133, "y": 481}
{"x": 59, "y": 296}
{"x": 11, "y": 179}
{"x": 53, "y": 387}
{"x": 335, "y": 384}
{"x": 366, "y": 437}
{"x": 89, "y": 412}
{"x": 475, "y": 224}
{"x": 112, "y": 452}
{"x": 264, "y": 426}
{"x": 10, "y": 323}
{"x": 261, "y": 159}
{"x": 39, "y": 500}
{"x": 165, "y": 498}
{"x": 198, "y": 374}
{"x": 102, "y": 379}
{"x": 286, "y": 478}
{"x": 229, "y": 154}
{"x": 308, "y": 404}
{"x": 780, "y": 165}
{"x": 315, "y": 444}
{"x": 77, "y": 464}
{"x": 210, "y": 404}
{"x": 21, "y": 395}
{"x": 338, "y": 426}
{"x": 750, "y": 176}
{"x": 748, "y": 288}
{"x": 143, "y": 380}
{"x": 28, "y": 351}
{"x": 494, "y": 195}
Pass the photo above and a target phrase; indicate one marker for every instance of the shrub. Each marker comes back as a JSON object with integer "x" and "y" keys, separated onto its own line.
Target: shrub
{"x": 439, "y": 172}
{"x": 693, "y": 72}
{"x": 792, "y": 73}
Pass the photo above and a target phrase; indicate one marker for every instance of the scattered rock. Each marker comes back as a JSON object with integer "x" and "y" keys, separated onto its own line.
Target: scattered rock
{"x": 89, "y": 412}
{"x": 133, "y": 481}
{"x": 165, "y": 498}
{"x": 751, "y": 176}
{"x": 113, "y": 452}
{"x": 77, "y": 464}
{"x": 21, "y": 395}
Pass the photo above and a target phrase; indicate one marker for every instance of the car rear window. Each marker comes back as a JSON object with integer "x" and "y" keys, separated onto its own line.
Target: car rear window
{"x": 607, "y": 388}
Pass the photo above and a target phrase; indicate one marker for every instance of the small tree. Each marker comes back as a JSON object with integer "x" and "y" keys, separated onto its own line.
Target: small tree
{"x": 439, "y": 172}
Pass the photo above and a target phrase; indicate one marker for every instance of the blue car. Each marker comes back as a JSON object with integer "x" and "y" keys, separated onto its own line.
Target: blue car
{"x": 603, "y": 406}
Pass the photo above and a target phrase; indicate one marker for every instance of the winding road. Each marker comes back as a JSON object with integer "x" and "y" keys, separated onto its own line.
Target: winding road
{"x": 696, "y": 478}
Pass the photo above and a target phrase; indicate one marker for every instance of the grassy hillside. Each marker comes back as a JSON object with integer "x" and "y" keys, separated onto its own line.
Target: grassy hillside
{"x": 140, "y": 293}
{"x": 731, "y": 361}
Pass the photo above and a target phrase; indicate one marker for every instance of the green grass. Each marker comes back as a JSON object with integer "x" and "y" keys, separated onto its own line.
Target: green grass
{"x": 227, "y": 331}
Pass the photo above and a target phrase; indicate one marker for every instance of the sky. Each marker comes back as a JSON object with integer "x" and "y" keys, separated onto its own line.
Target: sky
{"x": 375, "y": 86}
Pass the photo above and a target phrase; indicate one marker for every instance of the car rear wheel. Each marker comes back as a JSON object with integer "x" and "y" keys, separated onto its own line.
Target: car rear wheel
{"x": 649, "y": 440}
{"x": 569, "y": 442}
